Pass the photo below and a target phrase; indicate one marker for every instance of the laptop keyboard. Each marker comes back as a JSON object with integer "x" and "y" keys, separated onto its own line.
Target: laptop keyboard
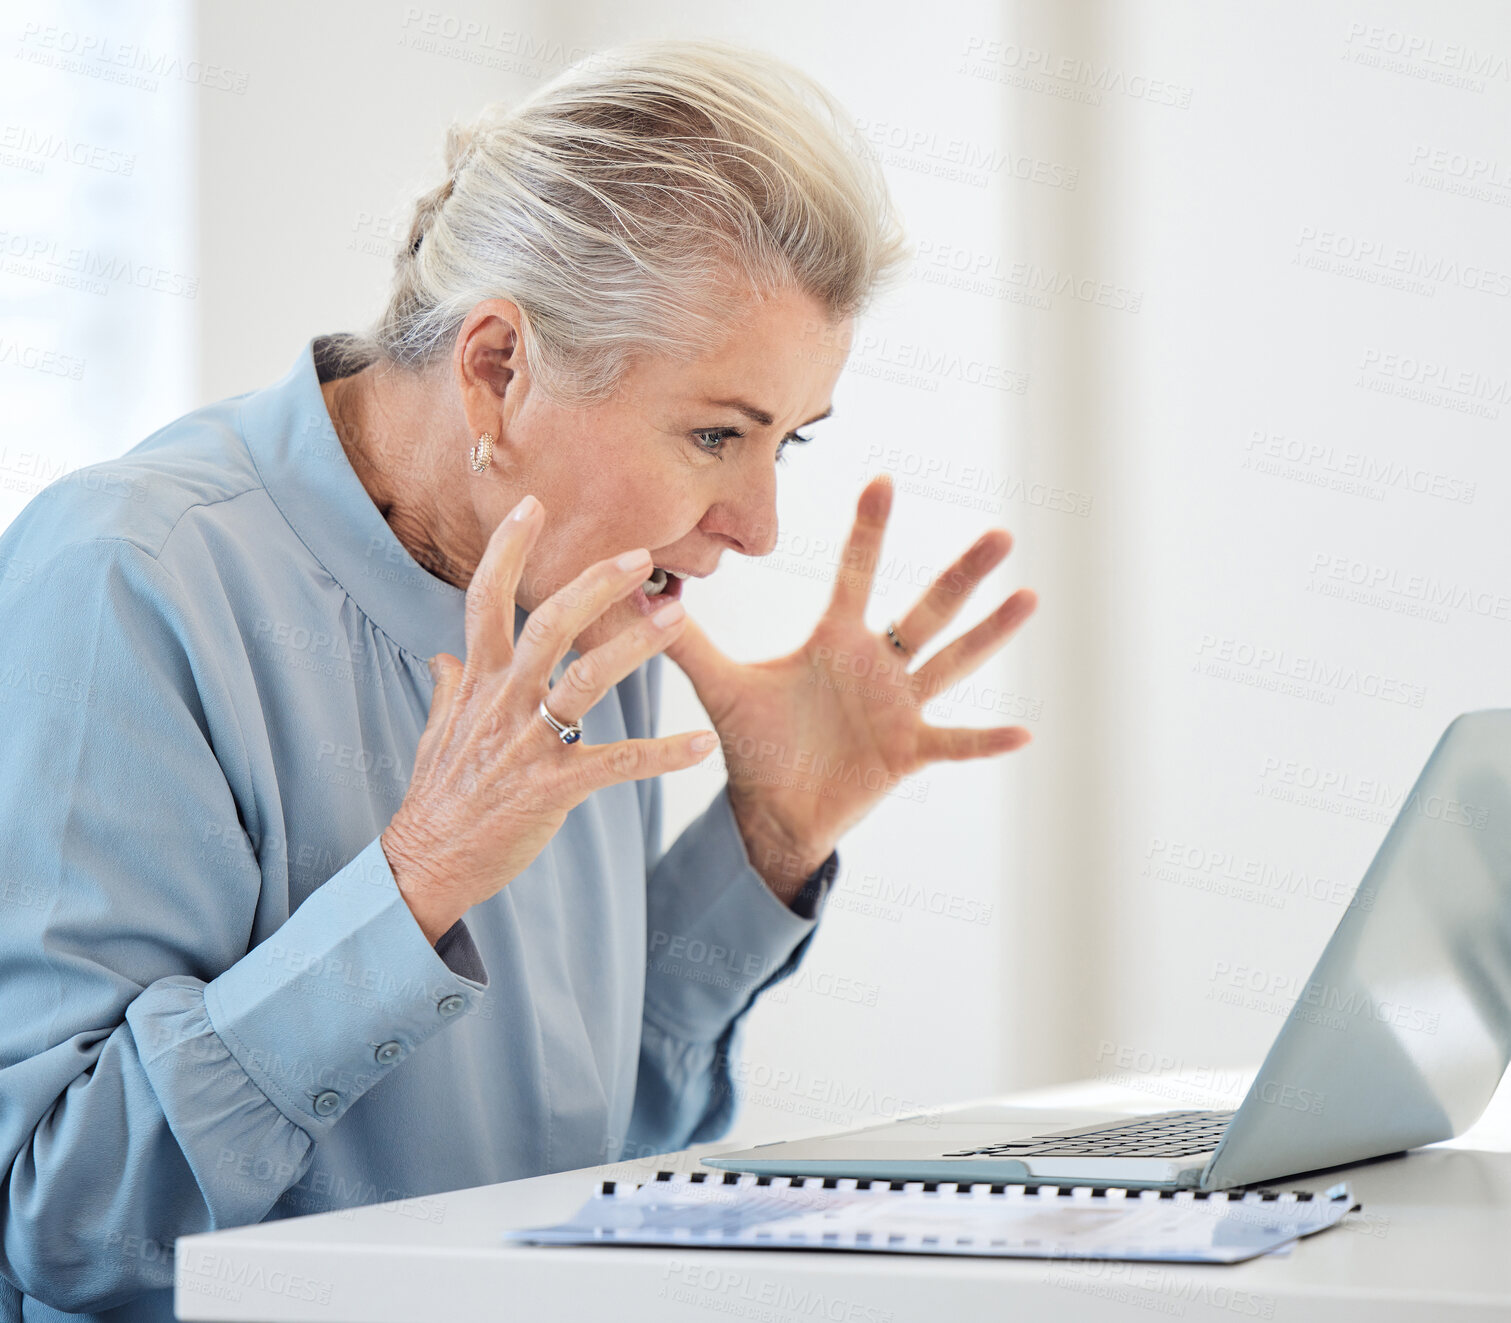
{"x": 1163, "y": 1135}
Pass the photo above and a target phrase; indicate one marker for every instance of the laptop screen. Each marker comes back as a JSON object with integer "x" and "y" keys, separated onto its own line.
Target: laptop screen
{"x": 1403, "y": 1031}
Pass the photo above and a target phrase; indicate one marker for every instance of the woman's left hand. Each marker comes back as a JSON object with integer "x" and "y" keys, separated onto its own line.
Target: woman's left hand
{"x": 814, "y": 739}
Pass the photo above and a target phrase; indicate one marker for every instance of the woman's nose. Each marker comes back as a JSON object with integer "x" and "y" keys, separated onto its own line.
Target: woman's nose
{"x": 747, "y": 516}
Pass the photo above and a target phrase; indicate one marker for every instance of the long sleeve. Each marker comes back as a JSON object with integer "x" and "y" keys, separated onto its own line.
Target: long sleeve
{"x": 717, "y": 936}
{"x": 157, "y": 1076}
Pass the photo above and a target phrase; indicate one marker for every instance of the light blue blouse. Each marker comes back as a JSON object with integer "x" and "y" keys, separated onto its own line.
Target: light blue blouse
{"x": 215, "y": 1007}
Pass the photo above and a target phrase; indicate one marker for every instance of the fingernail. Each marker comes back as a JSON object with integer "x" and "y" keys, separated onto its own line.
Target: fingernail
{"x": 669, "y": 614}
{"x": 633, "y": 560}
{"x": 525, "y": 509}
{"x": 704, "y": 742}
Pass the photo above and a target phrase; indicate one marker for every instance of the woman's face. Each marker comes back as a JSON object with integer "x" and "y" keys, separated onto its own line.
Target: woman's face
{"x": 669, "y": 462}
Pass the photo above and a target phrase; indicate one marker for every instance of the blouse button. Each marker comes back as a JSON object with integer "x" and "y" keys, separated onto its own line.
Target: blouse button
{"x": 327, "y": 1102}
{"x": 388, "y": 1053}
{"x": 450, "y": 1005}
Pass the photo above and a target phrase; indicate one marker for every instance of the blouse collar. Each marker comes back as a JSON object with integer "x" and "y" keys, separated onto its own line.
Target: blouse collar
{"x": 306, "y": 471}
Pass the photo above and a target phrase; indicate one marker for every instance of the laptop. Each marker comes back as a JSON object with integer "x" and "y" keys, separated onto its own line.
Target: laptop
{"x": 1398, "y": 1039}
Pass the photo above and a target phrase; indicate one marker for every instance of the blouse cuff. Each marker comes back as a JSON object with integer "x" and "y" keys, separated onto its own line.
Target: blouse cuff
{"x": 342, "y": 993}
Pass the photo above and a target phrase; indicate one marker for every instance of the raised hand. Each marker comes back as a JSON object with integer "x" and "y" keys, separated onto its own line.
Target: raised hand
{"x": 493, "y": 781}
{"x": 813, "y": 740}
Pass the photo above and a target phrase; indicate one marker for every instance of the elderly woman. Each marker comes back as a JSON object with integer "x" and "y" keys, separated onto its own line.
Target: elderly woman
{"x": 330, "y": 807}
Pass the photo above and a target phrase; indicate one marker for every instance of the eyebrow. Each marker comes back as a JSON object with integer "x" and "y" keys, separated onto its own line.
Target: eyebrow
{"x": 760, "y": 416}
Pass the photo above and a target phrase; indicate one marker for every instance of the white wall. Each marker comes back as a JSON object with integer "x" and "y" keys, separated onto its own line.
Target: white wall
{"x": 1324, "y": 220}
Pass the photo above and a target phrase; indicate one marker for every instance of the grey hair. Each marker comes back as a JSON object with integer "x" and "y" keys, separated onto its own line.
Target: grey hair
{"x": 630, "y": 204}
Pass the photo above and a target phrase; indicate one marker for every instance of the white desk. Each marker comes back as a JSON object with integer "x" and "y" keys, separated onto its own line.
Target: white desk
{"x": 1433, "y": 1242}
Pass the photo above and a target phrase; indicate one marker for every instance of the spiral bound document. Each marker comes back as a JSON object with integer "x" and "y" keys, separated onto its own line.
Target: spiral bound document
{"x": 1008, "y": 1221}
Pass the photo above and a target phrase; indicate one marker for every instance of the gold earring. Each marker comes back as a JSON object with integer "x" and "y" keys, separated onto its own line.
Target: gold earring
{"x": 482, "y": 452}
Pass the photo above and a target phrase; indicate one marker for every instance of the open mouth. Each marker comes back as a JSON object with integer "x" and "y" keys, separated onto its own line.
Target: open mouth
{"x": 663, "y": 583}
{"x": 663, "y": 586}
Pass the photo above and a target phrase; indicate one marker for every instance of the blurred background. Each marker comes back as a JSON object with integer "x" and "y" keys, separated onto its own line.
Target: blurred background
{"x": 1209, "y": 308}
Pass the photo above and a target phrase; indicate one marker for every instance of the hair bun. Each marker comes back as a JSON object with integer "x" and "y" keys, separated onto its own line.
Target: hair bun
{"x": 460, "y": 139}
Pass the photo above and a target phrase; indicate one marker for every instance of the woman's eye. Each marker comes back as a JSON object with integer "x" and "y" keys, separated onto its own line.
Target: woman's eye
{"x": 796, "y": 439}
{"x": 712, "y": 439}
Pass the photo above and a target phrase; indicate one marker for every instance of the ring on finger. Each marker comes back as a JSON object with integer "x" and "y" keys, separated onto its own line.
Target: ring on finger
{"x": 896, "y": 640}
{"x": 569, "y": 732}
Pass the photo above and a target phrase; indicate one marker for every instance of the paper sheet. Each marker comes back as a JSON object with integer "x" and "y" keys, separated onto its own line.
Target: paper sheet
{"x": 1016, "y": 1223}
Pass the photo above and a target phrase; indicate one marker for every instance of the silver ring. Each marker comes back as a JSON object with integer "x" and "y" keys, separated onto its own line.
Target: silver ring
{"x": 897, "y": 642}
{"x": 570, "y": 732}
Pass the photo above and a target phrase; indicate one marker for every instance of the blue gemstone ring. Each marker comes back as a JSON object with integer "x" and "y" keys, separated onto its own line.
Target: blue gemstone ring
{"x": 570, "y": 733}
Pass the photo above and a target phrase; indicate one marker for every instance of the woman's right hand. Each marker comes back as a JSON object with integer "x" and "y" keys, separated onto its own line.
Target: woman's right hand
{"x": 492, "y": 781}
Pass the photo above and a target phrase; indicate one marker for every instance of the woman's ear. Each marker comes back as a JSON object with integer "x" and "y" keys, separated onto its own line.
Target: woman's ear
{"x": 490, "y": 363}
